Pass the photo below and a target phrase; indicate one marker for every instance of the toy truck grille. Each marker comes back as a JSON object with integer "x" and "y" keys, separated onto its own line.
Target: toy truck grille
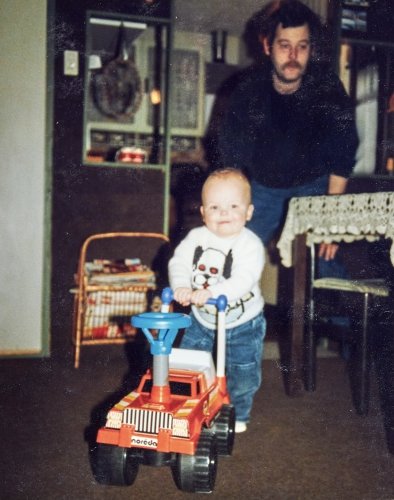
{"x": 147, "y": 421}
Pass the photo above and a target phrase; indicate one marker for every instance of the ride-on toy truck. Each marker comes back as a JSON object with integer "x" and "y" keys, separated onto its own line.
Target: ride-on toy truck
{"x": 180, "y": 415}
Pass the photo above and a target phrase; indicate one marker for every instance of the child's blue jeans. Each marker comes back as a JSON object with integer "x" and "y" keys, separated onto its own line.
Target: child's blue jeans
{"x": 244, "y": 352}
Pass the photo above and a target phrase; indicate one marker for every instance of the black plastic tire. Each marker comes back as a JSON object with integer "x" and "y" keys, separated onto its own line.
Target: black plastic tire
{"x": 223, "y": 428}
{"x": 197, "y": 473}
{"x": 113, "y": 465}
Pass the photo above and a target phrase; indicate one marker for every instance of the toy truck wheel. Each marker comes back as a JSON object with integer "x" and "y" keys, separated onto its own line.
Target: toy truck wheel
{"x": 197, "y": 473}
{"x": 223, "y": 428}
{"x": 113, "y": 465}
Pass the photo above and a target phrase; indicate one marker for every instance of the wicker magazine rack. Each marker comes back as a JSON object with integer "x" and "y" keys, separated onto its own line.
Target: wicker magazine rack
{"x": 109, "y": 291}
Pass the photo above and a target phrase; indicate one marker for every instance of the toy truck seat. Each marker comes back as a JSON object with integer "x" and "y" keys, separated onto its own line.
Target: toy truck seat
{"x": 194, "y": 360}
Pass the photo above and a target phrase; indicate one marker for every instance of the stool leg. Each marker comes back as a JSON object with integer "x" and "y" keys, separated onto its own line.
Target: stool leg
{"x": 310, "y": 350}
{"x": 363, "y": 363}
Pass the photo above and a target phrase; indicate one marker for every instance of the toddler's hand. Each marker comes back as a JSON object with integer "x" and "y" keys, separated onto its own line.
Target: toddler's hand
{"x": 183, "y": 295}
{"x": 199, "y": 297}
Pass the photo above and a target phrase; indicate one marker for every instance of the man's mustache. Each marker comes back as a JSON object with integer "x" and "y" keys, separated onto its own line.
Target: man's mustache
{"x": 293, "y": 64}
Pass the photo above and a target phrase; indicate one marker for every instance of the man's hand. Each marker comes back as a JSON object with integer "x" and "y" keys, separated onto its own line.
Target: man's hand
{"x": 328, "y": 250}
{"x": 336, "y": 185}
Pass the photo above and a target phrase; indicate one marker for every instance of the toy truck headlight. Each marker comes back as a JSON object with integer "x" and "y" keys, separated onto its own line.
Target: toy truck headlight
{"x": 180, "y": 427}
{"x": 114, "y": 419}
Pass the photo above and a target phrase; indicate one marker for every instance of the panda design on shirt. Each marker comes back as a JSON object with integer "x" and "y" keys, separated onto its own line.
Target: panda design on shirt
{"x": 212, "y": 266}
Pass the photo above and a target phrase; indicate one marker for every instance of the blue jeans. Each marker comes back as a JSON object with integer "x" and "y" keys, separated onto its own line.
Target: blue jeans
{"x": 270, "y": 210}
{"x": 244, "y": 353}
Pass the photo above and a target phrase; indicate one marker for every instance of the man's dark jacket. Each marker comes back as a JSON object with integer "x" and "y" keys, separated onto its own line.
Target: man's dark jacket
{"x": 289, "y": 140}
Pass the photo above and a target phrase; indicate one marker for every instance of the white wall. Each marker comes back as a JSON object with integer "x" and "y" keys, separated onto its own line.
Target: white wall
{"x": 22, "y": 173}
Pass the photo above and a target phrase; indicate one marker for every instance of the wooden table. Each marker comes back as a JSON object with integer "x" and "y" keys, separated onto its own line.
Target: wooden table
{"x": 317, "y": 219}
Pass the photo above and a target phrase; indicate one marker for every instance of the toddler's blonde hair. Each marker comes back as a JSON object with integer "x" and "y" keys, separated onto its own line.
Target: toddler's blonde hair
{"x": 229, "y": 173}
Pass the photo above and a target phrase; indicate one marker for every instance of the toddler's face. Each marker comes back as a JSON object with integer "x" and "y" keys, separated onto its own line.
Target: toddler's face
{"x": 226, "y": 206}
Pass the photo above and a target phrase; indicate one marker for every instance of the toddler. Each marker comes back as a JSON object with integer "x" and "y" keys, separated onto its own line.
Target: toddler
{"x": 225, "y": 257}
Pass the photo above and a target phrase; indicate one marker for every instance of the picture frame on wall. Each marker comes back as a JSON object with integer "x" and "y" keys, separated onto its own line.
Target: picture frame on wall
{"x": 354, "y": 18}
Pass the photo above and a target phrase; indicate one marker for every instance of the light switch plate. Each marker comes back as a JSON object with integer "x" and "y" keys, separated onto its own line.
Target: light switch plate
{"x": 71, "y": 62}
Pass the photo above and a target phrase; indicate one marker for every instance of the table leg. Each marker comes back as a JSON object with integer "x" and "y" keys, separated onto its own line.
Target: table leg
{"x": 295, "y": 386}
{"x": 383, "y": 347}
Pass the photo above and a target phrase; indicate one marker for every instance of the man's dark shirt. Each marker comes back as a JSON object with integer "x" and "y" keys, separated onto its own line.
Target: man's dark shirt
{"x": 289, "y": 140}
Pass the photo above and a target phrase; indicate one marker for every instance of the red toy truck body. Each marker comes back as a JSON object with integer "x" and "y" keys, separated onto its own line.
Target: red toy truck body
{"x": 180, "y": 415}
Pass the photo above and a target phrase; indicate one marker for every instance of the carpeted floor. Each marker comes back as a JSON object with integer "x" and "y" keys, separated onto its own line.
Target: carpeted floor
{"x": 311, "y": 447}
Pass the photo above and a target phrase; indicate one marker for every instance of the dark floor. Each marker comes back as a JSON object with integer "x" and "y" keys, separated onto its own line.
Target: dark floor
{"x": 311, "y": 447}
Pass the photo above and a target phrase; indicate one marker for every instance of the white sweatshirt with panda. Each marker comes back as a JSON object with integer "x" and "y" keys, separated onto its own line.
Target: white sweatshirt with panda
{"x": 227, "y": 266}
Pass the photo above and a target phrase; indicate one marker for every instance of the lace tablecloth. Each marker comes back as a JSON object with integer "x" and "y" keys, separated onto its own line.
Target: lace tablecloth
{"x": 334, "y": 218}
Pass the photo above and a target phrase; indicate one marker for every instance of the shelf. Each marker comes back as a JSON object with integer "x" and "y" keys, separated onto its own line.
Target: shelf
{"x": 138, "y": 166}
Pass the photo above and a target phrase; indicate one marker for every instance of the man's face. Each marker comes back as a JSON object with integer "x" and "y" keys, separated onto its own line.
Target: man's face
{"x": 290, "y": 52}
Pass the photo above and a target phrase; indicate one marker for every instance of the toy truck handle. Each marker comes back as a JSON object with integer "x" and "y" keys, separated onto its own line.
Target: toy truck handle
{"x": 221, "y": 304}
{"x": 167, "y": 297}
